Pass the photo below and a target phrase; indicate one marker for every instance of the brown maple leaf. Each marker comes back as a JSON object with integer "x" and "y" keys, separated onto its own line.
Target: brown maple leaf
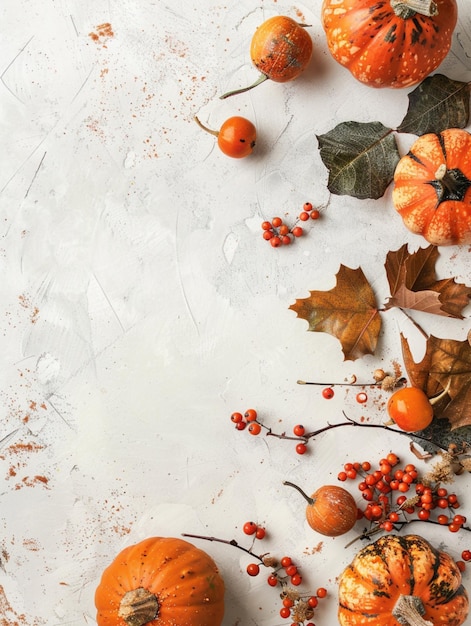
{"x": 414, "y": 284}
{"x": 348, "y": 312}
{"x": 446, "y": 365}
{"x": 427, "y": 301}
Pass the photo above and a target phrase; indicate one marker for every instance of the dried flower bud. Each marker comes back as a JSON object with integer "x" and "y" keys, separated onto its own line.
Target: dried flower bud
{"x": 291, "y": 593}
{"x": 379, "y": 375}
{"x": 270, "y": 561}
{"x": 388, "y": 383}
{"x": 466, "y": 464}
{"x": 412, "y": 501}
{"x": 442, "y": 471}
{"x": 301, "y": 612}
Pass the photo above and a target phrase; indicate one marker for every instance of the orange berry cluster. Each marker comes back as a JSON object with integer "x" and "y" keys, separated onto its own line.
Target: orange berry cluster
{"x": 419, "y": 498}
{"x": 278, "y": 233}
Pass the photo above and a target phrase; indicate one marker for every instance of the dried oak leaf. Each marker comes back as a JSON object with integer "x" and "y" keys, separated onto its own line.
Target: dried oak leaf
{"x": 414, "y": 284}
{"x": 446, "y": 365}
{"x": 348, "y": 312}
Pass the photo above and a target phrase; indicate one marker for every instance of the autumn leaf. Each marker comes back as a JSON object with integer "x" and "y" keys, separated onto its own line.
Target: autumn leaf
{"x": 446, "y": 365}
{"x": 426, "y": 301}
{"x": 436, "y": 104}
{"x": 414, "y": 285}
{"x": 361, "y": 158}
{"x": 348, "y": 312}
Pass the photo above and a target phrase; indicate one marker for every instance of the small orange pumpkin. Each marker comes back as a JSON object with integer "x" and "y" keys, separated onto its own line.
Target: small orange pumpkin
{"x": 402, "y": 580}
{"x": 281, "y": 49}
{"x": 389, "y": 43}
{"x": 236, "y": 138}
{"x": 330, "y": 511}
{"x": 432, "y": 187}
{"x": 161, "y": 581}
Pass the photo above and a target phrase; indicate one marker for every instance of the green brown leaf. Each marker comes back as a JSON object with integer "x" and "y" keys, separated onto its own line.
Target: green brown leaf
{"x": 361, "y": 158}
{"x": 436, "y": 104}
{"x": 348, "y": 312}
{"x": 446, "y": 365}
{"x": 414, "y": 285}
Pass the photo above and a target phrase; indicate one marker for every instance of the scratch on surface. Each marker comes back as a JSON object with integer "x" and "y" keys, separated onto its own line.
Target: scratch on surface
{"x": 180, "y": 279}
{"x": 20, "y": 52}
{"x": 35, "y": 174}
{"x": 7, "y": 438}
{"x": 56, "y": 410}
{"x": 109, "y": 303}
{"x": 74, "y": 25}
{"x": 83, "y": 84}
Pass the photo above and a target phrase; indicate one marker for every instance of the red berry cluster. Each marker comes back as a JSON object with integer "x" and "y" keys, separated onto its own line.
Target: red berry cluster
{"x": 249, "y": 418}
{"x": 299, "y": 608}
{"x": 278, "y": 233}
{"x": 251, "y": 528}
{"x": 284, "y": 573}
{"x": 384, "y": 489}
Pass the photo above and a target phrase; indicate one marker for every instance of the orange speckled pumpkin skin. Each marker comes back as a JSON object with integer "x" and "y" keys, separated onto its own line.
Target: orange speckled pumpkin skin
{"x": 281, "y": 49}
{"x": 184, "y": 579}
{"x": 392, "y": 566}
{"x": 425, "y": 205}
{"x": 382, "y": 49}
{"x": 333, "y": 511}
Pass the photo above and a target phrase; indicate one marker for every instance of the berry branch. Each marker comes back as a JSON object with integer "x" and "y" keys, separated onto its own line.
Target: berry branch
{"x": 296, "y": 605}
{"x": 229, "y": 542}
{"x": 255, "y": 426}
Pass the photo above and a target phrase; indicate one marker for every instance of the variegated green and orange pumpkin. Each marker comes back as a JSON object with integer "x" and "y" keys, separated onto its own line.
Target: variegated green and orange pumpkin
{"x": 401, "y": 580}
{"x": 389, "y": 43}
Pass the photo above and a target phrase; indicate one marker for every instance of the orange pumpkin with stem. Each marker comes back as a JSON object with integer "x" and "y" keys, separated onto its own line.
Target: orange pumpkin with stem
{"x": 432, "y": 187}
{"x": 389, "y": 43}
{"x": 402, "y": 580}
{"x": 236, "y": 138}
{"x": 161, "y": 581}
{"x": 280, "y": 49}
{"x": 330, "y": 511}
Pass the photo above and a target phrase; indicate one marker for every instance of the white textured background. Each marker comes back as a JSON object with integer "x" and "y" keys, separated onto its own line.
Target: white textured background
{"x": 140, "y": 306}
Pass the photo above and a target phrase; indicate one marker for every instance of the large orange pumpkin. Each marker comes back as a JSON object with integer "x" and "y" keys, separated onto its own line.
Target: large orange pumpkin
{"x": 389, "y": 43}
{"x": 432, "y": 187}
{"x": 161, "y": 582}
{"x": 402, "y": 580}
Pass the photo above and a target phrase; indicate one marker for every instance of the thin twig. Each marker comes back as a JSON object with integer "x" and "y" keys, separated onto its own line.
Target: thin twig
{"x": 229, "y": 542}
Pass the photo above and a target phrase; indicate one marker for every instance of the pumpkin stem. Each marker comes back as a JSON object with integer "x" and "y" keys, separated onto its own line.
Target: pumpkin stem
{"x": 408, "y": 8}
{"x": 308, "y": 499}
{"x": 138, "y": 607}
{"x": 450, "y": 184}
{"x": 261, "y": 79}
{"x": 208, "y": 130}
{"x": 409, "y": 610}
